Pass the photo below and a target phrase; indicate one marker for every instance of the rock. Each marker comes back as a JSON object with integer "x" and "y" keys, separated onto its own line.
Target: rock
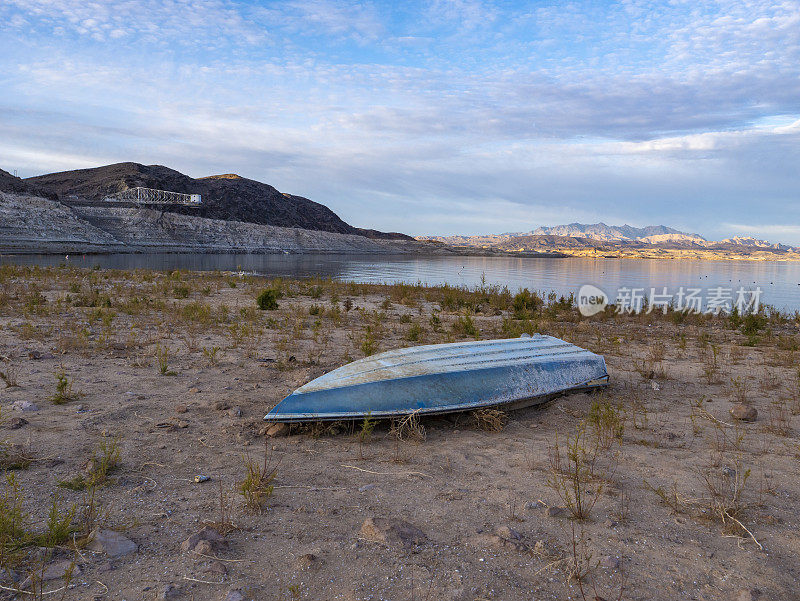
{"x": 221, "y": 405}
{"x": 306, "y": 561}
{"x": 194, "y": 390}
{"x": 215, "y": 568}
{"x": 214, "y": 539}
{"x": 728, "y": 472}
{"x": 204, "y": 547}
{"x": 507, "y": 533}
{"x": 235, "y": 595}
{"x": 609, "y": 562}
{"x": 181, "y": 409}
{"x": 746, "y": 595}
{"x": 556, "y": 512}
{"x": 235, "y": 412}
{"x": 743, "y": 412}
{"x": 35, "y": 355}
{"x": 53, "y": 572}
{"x": 170, "y": 591}
{"x": 366, "y": 487}
{"x": 105, "y": 567}
{"x": 655, "y": 385}
{"x": 391, "y": 531}
{"x": 17, "y": 423}
{"x": 276, "y": 430}
{"x": 112, "y": 543}
{"x": 24, "y": 406}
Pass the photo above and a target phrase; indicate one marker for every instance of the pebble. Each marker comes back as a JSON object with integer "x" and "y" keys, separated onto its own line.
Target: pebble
{"x": 235, "y": 595}
{"x": 24, "y": 406}
{"x": 276, "y": 430}
{"x": 221, "y": 405}
{"x": 729, "y": 472}
{"x": 609, "y": 562}
{"x": 744, "y": 412}
{"x": 746, "y": 595}
{"x": 181, "y": 409}
{"x": 366, "y": 487}
{"x": 392, "y": 531}
{"x": 235, "y": 412}
{"x": 170, "y": 591}
{"x": 17, "y": 423}
{"x": 112, "y": 543}
{"x": 556, "y": 512}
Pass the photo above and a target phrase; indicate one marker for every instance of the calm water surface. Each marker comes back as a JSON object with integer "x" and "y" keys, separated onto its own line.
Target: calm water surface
{"x": 779, "y": 281}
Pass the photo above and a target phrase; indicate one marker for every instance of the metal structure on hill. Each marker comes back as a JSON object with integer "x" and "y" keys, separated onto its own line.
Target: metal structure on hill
{"x": 154, "y": 197}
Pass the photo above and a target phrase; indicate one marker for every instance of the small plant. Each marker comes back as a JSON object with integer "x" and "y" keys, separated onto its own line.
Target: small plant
{"x": 526, "y": 304}
{"x": 606, "y": 422}
{"x": 490, "y": 420}
{"x": 64, "y": 392}
{"x": 572, "y": 473}
{"x": 268, "y": 299}
{"x": 104, "y": 460}
{"x": 415, "y": 333}
{"x": 162, "y": 356}
{"x": 9, "y": 373}
{"x": 211, "y": 354}
{"x": 257, "y": 487}
{"x": 180, "y": 292}
{"x": 368, "y": 343}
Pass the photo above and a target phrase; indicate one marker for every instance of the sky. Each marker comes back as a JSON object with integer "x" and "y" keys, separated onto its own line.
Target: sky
{"x": 437, "y": 117}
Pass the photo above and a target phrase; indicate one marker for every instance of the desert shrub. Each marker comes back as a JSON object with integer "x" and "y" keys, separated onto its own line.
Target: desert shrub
{"x": 268, "y": 299}
{"x": 526, "y": 304}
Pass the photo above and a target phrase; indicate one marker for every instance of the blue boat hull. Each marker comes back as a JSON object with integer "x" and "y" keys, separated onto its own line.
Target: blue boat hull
{"x": 446, "y": 378}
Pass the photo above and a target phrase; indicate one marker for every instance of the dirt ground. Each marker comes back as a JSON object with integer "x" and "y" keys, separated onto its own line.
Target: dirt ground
{"x": 679, "y": 499}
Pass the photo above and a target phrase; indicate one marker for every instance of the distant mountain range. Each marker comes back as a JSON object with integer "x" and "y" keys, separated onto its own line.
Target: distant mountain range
{"x": 580, "y": 238}
{"x": 228, "y": 197}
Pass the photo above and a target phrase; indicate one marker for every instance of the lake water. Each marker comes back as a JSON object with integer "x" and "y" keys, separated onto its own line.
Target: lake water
{"x": 778, "y": 281}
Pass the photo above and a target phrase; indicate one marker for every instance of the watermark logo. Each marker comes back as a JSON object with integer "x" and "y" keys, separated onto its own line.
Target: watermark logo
{"x": 591, "y": 300}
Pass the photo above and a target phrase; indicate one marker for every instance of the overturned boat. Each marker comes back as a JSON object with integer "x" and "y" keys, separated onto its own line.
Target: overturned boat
{"x": 443, "y": 378}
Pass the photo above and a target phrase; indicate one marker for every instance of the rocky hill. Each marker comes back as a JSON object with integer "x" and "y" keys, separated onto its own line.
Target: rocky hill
{"x": 15, "y": 185}
{"x": 32, "y": 224}
{"x": 601, "y": 231}
{"x": 227, "y": 197}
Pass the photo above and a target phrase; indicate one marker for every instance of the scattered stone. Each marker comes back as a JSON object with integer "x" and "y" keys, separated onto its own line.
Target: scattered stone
{"x": 507, "y": 533}
{"x": 609, "y": 523}
{"x": 609, "y": 562}
{"x": 181, "y": 409}
{"x": 746, "y": 595}
{"x": 194, "y": 390}
{"x": 276, "y": 430}
{"x": 204, "y": 547}
{"x": 728, "y": 472}
{"x": 366, "y": 487}
{"x": 105, "y": 567}
{"x": 221, "y": 405}
{"x": 235, "y": 412}
{"x": 17, "y": 423}
{"x": 24, "y": 406}
{"x": 235, "y": 595}
{"x": 306, "y": 561}
{"x": 35, "y": 355}
{"x": 215, "y": 539}
{"x": 215, "y": 568}
{"x": 170, "y": 591}
{"x": 201, "y": 478}
{"x": 556, "y": 512}
{"x": 744, "y": 412}
{"x": 53, "y": 572}
{"x": 655, "y": 385}
{"x": 392, "y": 531}
{"x": 112, "y": 543}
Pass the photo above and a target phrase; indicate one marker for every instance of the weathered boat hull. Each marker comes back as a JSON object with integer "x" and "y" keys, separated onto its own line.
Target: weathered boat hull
{"x": 446, "y": 378}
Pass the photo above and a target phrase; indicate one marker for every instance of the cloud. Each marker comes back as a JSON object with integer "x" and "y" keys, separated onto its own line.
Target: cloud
{"x": 467, "y": 115}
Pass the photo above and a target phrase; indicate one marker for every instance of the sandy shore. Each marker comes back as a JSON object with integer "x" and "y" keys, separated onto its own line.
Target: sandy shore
{"x": 679, "y": 499}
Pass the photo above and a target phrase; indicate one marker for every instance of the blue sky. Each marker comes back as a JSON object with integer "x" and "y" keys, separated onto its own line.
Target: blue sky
{"x": 428, "y": 117}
